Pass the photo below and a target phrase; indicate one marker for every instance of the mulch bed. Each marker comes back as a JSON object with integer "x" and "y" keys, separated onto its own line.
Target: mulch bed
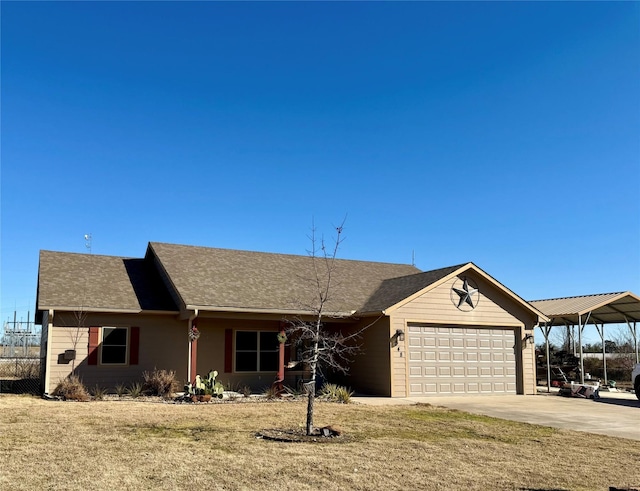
{"x": 328, "y": 434}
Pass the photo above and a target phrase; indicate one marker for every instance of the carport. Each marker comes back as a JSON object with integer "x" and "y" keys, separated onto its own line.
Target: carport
{"x": 598, "y": 310}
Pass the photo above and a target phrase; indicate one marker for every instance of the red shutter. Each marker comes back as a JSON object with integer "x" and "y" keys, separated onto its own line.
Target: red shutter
{"x": 228, "y": 350}
{"x": 94, "y": 342}
{"x": 134, "y": 347}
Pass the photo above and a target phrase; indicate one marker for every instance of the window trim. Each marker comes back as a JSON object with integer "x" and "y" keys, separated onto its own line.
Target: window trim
{"x": 127, "y": 346}
{"x": 257, "y": 351}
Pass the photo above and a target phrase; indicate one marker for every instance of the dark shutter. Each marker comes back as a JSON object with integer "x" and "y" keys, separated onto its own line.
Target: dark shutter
{"x": 228, "y": 350}
{"x": 94, "y": 342}
{"x": 134, "y": 347}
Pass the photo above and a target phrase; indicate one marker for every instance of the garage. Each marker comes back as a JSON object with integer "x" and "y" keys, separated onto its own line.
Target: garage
{"x": 461, "y": 360}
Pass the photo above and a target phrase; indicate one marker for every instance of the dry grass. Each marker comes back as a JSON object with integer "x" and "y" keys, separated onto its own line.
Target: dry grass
{"x": 133, "y": 445}
{"x": 19, "y": 368}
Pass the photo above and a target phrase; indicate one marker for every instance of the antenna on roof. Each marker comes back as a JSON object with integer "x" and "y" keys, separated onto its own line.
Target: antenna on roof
{"x": 413, "y": 257}
{"x": 87, "y": 242}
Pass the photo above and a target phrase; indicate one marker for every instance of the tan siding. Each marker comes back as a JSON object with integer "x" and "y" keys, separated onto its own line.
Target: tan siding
{"x": 163, "y": 345}
{"x": 437, "y": 306}
{"x": 398, "y": 359}
{"x": 370, "y": 368}
{"x": 64, "y": 338}
{"x": 493, "y": 308}
{"x": 529, "y": 369}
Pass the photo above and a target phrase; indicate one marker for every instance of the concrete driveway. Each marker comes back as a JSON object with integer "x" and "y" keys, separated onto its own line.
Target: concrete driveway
{"x": 614, "y": 414}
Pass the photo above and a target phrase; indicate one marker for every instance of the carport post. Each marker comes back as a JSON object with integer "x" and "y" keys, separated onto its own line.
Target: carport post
{"x": 546, "y": 330}
{"x": 604, "y": 351}
{"x": 634, "y": 333}
{"x": 580, "y": 327}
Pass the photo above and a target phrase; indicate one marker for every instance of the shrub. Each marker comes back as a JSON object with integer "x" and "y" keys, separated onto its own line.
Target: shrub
{"x": 335, "y": 393}
{"x": 329, "y": 392}
{"x": 344, "y": 395}
{"x": 161, "y": 383}
{"x": 618, "y": 369}
{"x": 71, "y": 389}
{"x": 245, "y": 390}
{"x": 98, "y": 392}
{"x": 135, "y": 390}
{"x": 271, "y": 392}
{"x": 121, "y": 390}
{"x": 232, "y": 386}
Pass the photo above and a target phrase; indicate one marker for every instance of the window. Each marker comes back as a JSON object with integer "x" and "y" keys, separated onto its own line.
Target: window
{"x": 257, "y": 351}
{"x": 114, "y": 345}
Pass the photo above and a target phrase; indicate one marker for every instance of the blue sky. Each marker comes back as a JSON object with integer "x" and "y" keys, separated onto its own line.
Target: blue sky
{"x": 500, "y": 133}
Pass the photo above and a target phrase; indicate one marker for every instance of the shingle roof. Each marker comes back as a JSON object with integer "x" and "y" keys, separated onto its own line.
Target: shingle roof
{"x": 225, "y": 278}
{"x": 93, "y": 282}
{"x": 394, "y": 290}
{"x": 218, "y": 279}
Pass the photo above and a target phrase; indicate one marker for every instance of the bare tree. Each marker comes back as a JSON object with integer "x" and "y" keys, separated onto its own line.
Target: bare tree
{"x": 625, "y": 342}
{"x": 318, "y": 345}
{"x": 564, "y": 338}
{"x": 80, "y": 317}
{"x": 79, "y": 326}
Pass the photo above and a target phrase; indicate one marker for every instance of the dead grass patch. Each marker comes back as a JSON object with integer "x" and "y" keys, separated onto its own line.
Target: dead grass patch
{"x": 153, "y": 445}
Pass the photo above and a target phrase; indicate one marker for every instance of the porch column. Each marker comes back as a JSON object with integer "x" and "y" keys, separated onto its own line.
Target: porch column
{"x": 194, "y": 334}
{"x": 194, "y": 359}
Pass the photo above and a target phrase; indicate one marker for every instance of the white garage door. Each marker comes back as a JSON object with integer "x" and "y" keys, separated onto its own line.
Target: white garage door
{"x": 461, "y": 360}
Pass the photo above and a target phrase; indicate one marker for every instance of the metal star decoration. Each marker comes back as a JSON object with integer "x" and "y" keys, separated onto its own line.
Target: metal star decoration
{"x": 466, "y": 294}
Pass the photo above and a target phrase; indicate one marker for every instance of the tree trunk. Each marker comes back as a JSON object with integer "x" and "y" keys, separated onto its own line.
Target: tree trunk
{"x": 311, "y": 389}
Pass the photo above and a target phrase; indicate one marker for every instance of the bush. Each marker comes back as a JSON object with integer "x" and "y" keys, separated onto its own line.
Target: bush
{"x": 161, "y": 383}
{"x": 20, "y": 368}
{"x": 121, "y": 390}
{"x": 72, "y": 389}
{"x": 329, "y": 392}
{"x": 98, "y": 392}
{"x": 618, "y": 369}
{"x": 135, "y": 390}
{"x": 335, "y": 393}
{"x": 270, "y": 392}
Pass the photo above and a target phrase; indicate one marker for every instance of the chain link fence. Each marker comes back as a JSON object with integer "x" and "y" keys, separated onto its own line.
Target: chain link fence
{"x": 20, "y": 375}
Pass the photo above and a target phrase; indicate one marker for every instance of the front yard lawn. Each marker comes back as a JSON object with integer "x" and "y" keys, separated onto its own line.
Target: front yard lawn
{"x": 132, "y": 445}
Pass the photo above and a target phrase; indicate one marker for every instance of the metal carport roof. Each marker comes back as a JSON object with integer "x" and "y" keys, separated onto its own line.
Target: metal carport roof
{"x": 605, "y": 308}
{"x": 599, "y": 309}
